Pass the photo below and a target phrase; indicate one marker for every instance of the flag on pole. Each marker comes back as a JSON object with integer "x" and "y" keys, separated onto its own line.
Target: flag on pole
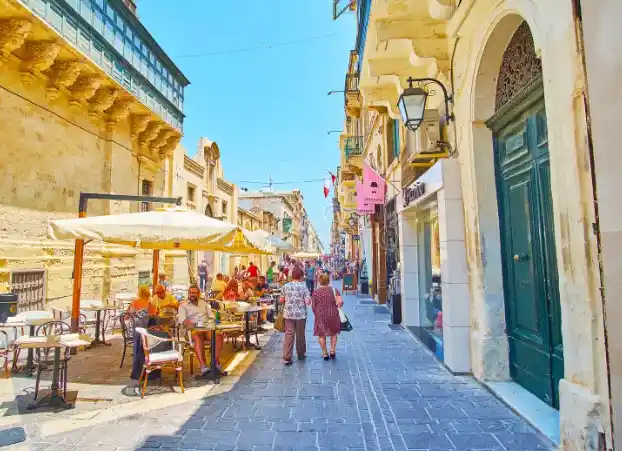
{"x": 326, "y": 187}
{"x": 332, "y": 177}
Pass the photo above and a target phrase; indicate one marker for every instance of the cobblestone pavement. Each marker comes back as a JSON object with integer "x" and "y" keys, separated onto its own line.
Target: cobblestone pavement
{"x": 384, "y": 391}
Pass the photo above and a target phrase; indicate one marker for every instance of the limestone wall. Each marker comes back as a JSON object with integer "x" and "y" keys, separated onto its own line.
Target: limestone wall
{"x": 49, "y": 153}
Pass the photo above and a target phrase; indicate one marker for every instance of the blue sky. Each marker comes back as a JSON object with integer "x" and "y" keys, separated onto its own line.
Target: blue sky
{"x": 267, "y": 108}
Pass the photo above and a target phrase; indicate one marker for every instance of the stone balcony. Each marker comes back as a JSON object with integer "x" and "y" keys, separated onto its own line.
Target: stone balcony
{"x": 44, "y": 58}
{"x": 405, "y": 39}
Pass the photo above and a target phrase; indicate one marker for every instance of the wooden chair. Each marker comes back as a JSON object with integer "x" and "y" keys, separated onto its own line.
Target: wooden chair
{"x": 159, "y": 360}
{"x": 5, "y": 350}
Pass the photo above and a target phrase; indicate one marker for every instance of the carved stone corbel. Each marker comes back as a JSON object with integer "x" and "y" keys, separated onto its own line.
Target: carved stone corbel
{"x": 62, "y": 75}
{"x": 13, "y": 33}
{"x": 170, "y": 146}
{"x": 40, "y": 55}
{"x": 84, "y": 88}
{"x": 161, "y": 139}
{"x": 118, "y": 112}
{"x": 102, "y": 100}
{"x": 150, "y": 133}
{"x": 139, "y": 124}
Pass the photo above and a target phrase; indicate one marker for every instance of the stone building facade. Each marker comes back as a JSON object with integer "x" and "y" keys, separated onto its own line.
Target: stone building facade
{"x": 78, "y": 114}
{"x": 500, "y": 248}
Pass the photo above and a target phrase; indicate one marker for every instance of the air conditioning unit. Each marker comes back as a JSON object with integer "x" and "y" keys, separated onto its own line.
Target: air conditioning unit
{"x": 428, "y": 144}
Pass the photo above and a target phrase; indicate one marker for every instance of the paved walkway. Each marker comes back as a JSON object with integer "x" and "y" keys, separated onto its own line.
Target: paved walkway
{"x": 384, "y": 392}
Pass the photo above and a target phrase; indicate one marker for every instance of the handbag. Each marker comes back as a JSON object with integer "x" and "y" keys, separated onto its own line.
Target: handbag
{"x": 345, "y": 322}
{"x": 279, "y": 323}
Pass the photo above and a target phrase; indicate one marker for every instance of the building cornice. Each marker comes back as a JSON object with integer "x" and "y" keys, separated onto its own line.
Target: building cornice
{"x": 192, "y": 166}
{"x": 225, "y": 186}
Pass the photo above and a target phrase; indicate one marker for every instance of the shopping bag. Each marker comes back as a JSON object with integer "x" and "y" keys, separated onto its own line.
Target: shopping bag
{"x": 345, "y": 322}
{"x": 279, "y": 323}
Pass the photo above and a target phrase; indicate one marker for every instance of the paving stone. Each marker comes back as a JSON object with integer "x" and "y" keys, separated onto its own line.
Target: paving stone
{"x": 427, "y": 440}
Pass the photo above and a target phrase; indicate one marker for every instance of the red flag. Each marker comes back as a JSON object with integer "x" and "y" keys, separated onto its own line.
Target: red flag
{"x": 332, "y": 177}
{"x": 326, "y": 188}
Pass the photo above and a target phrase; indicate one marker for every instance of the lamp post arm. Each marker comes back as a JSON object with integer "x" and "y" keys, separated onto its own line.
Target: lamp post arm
{"x": 446, "y": 97}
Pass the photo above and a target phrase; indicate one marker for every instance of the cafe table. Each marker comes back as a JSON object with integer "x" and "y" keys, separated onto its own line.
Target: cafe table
{"x": 100, "y": 310}
{"x": 247, "y": 333}
{"x": 56, "y": 342}
{"x": 30, "y": 319}
{"x": 214, "y": 374}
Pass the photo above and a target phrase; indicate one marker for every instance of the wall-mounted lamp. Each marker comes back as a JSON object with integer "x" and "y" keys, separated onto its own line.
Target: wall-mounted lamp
{"x": 414, "y": 98}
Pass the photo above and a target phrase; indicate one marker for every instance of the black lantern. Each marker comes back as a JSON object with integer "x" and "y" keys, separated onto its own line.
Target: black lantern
{"x": 414, "y": 98}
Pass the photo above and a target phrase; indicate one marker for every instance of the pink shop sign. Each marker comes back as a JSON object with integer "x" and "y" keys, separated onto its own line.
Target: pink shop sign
{"x": 362, "y": 207}
{"x": 373, "y": 186}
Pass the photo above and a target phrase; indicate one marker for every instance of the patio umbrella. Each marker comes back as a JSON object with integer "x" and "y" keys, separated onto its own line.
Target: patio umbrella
{"x": 264, "y": 239}
{"x": 303, "y": 255}
{"x": 173, "y": 228}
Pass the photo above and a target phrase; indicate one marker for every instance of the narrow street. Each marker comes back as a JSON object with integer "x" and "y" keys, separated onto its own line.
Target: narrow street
{"x": 385, "y": 391}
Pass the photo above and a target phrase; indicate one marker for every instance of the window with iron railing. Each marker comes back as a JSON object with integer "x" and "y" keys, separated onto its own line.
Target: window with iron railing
{"x": 353, "y": 146}
{"x": 393, "y": 140}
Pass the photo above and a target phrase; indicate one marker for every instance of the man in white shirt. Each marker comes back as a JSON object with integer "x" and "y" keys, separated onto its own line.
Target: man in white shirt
{"x": 192, "y": 312}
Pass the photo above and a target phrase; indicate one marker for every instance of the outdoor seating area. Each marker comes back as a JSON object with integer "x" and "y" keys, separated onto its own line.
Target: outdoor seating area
{"x": 51, "y": 367}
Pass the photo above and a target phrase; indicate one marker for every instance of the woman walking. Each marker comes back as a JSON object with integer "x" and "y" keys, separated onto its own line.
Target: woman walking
{"x": 325, "y": 305}
{"x": 296, "y": 298}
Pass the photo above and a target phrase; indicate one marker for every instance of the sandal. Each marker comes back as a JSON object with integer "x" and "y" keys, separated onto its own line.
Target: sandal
{"x": 325, "y": 357}
{"x": 287, "y": 362}
{"x": 333, "y": 355}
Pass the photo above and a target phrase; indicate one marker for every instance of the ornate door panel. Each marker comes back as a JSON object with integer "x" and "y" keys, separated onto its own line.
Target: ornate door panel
{"x": 528, "y": 252}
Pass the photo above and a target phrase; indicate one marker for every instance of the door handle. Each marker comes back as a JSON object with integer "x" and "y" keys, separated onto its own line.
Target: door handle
{"x": 519, "y": 257}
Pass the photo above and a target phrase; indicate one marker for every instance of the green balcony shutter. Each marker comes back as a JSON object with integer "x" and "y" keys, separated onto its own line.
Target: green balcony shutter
{"x": 396, "y": 138}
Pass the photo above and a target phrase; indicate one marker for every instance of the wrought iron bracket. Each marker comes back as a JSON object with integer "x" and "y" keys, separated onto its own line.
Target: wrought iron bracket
{"x": 423, "y": 83}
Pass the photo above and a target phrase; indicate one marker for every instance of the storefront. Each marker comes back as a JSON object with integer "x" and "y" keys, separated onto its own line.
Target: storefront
{"x": 434, "y": 286}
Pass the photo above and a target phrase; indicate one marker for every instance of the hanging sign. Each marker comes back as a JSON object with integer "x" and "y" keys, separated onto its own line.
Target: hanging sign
{"x": 373, "y": 188}
{"x": 362, "y": 207}
{"x": 412, "y": 193}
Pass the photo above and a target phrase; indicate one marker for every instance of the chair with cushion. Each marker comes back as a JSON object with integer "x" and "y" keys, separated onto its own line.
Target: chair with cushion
{"x": 155, "y": 360}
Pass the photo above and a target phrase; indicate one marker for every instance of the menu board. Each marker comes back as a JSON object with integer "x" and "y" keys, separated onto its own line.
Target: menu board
{"x": 348, "y": 282}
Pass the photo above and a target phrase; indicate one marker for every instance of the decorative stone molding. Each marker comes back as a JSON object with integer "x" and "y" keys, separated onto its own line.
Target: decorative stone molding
{"x": 40, "y": 55}
{"x": 119, "y": 111}
{"x": 84, "y": 88}
{"x": 161, "y": 139}
{"x": 13, "y": 33}
{"x": 150, "y": 133}
{"x": 62, "y": 75}
{"x": 168, "y": 149}
{"x": 139, "y": 124}
{"x": 102, "y": 100}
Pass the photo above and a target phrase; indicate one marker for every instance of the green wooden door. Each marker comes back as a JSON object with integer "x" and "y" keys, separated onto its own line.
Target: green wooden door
{"x": 528, "y": 252}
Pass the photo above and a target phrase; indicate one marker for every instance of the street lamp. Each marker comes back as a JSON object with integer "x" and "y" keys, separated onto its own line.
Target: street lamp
{"x": 414, "y": 98}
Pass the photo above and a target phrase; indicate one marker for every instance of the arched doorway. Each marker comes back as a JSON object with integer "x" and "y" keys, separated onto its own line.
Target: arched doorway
{"x": 525, "y": 212}
{"x": 208, "y": 211}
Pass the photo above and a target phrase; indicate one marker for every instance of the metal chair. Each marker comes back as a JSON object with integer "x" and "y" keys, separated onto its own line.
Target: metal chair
{"x": 44, "y": 358}
{"x": 158, "y": 360}
{"x": 6, "y": 350}
{"x": 128, "y": 326}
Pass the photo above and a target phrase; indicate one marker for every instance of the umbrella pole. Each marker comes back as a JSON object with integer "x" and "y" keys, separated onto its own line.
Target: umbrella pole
{"x": 155, "y": 268}
{"x": 78, "y": 261}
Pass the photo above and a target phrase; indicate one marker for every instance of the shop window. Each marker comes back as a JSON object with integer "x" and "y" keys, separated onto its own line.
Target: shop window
{"x": 430, "y": 278}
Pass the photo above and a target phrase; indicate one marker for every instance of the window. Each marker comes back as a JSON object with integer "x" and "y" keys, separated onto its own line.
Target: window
{"x": 146, "y": 190}
{"x": 393, "y": 140}
{"x": 224, "y": 209}
{"x": 98, "y": 21}
{"x": 191, "y": 193}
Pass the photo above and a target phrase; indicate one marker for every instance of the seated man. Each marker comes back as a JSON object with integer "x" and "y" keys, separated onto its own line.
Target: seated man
{"x": 163, "y": 299}
{"x": 218, "y": 284}
{"x": 190, "y": 313}
{"x": 245, "y": 290}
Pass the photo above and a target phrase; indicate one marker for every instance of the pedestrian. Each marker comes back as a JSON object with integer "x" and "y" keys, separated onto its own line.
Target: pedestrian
{"x": 310, "y": 277}
{"x": 296, "y": 297}
{"x": 163, "y": 280}
{"x": 253, "y": 272}
{"x": 202, "y": 270}
{"x": 325, "y": 304}
{"x": 270, "y": 272}
{"x": 144, "y": 313}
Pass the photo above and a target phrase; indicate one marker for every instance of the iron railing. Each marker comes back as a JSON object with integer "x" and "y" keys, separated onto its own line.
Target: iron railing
{"x": 352, "y": 85}
{"x": 353, "y": 146}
